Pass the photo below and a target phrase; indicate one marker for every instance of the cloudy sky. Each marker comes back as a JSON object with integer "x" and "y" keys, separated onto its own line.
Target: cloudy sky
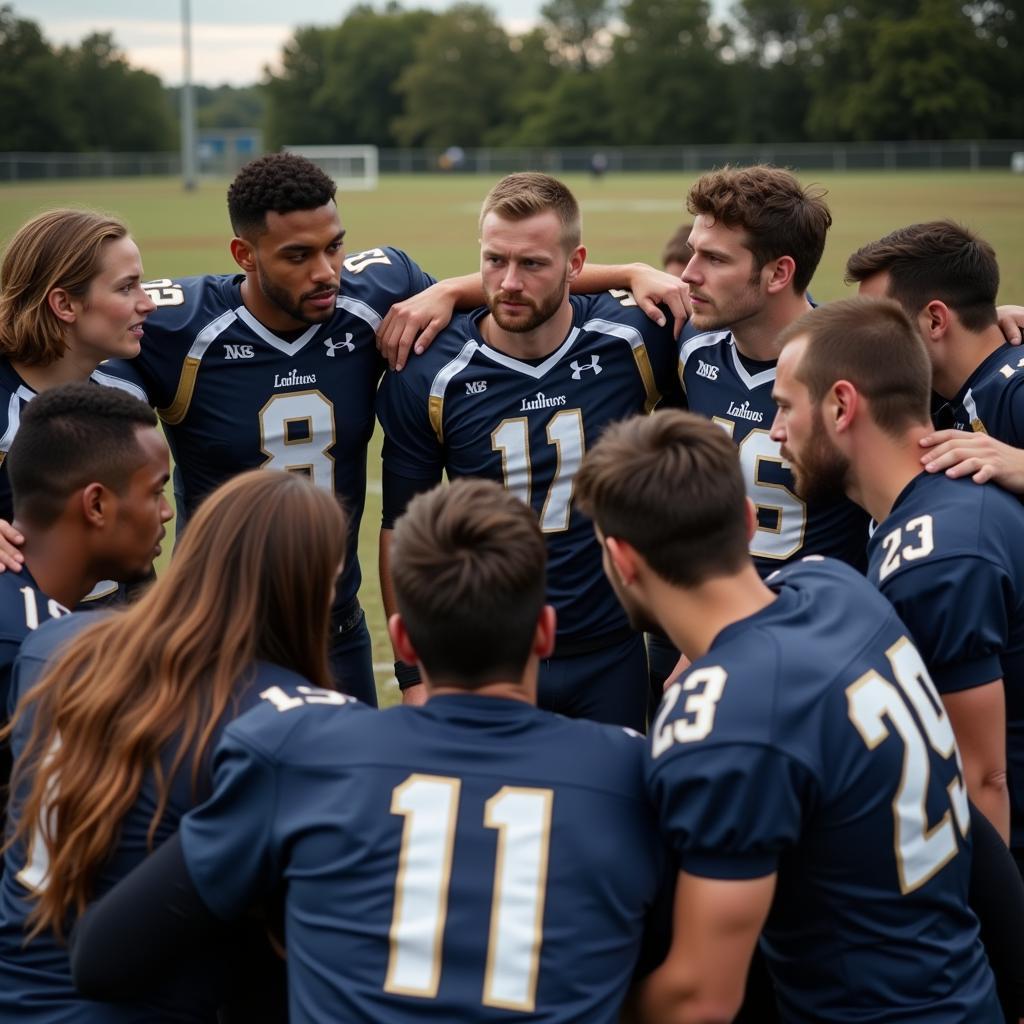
{"x": 232, "y": 39}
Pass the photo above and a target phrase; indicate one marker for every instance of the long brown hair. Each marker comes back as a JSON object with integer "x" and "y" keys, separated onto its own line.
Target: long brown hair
{"x": 57, "y": 249}
{"x": 251, "y": 579}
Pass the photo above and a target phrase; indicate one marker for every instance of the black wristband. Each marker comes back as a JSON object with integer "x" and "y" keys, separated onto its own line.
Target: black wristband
{"x": 407, "y": 675}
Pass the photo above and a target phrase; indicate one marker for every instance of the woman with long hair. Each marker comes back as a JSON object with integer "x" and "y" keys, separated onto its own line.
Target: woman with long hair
{"x": 114, "y": 741}
{"x": 71, "y": 296}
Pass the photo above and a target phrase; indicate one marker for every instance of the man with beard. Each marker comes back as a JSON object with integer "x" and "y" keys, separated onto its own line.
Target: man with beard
{"x": 804, "y": 774}
{"x": 853, "y": 392}
{"x": 946, "y": 278}
{"x": 756, "y": 240}
{"x": 516, "y": 392}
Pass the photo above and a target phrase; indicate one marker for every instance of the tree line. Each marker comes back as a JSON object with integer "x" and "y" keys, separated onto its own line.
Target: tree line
{"x": 592, "y": 73}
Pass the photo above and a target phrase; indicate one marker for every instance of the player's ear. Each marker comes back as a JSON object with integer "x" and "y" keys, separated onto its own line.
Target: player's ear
{"x": 544, "y": 636}
{"x": 841, "y": 406}
{"x": 623, "y": 558}
{"x": 61, "y": 305}
{"x": 576, "y": 260}
{"x": 934, "y": 320}
{"x": 781, "y": 272}
{"x": 244, "y": 254}
{"x": 404, "y": 649}
{"x": 94, "y": 501}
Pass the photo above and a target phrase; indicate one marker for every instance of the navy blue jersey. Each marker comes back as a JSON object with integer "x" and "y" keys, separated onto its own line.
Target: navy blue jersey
{"x": 992, "y": 401}
{"x": 949, "y": 558}
{"x": 451, "y": 862}
{"x": 23, "y": 607}
{"x": 470, "y": 410}
{"x": 235, "y": 396}
{"x": 809, "y": 741}
{"x": 35, "y": 979}
{"x": 736, "y": 393}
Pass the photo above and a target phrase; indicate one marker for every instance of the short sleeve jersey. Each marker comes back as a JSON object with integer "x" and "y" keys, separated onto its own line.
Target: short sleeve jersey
{"x": 949, "y": 558}
{"x": 473, "y": 859}
{"x": 810, "y": 742}
{"x": 992, "y": 399}
{"x": 736, "y": 393}
{"x": 234, "y": 395}
{"x": 35, "y": 978}
{"x": 470, "y": 410}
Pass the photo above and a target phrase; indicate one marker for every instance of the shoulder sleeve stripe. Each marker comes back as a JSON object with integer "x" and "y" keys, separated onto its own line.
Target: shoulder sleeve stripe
{"x": 701, "y": 341}
{"x": 108, "y": 380}
{"x": 439, "y": 385}
{"x": 640, "y": 356}
{"x": 971, "y": 408}
{"x": 175, "y": 412}
{"x": 360, "y": 309}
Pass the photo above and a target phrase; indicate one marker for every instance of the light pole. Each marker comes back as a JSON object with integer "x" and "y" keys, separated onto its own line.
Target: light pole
{"x": 188, "y": 110}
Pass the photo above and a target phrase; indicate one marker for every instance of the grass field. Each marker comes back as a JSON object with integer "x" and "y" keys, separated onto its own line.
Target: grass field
{"x": 626, "y": 217}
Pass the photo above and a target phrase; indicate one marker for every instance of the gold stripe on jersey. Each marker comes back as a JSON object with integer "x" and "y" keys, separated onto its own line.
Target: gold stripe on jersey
{"x": 174, "y": 413}
{"x": 640, "y": 357}
{"x": 439, "y": 385}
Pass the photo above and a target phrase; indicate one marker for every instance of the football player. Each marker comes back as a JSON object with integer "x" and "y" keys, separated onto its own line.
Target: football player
{"x": 88, "y": 468}
{"x": 947, "y": 278}
{"x": 516, "y": 392}
{"x": 277, "y": 367}
{"x": 853, "y": 390}
{"x": 118, "y": 719}
{"x": 803, "y": 767}
{"x": 472, "y": 859}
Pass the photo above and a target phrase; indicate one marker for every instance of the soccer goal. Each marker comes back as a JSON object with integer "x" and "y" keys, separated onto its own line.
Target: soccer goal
{"x": 352, "y": 167}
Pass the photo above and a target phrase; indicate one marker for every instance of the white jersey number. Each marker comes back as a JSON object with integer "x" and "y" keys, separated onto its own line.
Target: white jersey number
{"x": 522, "y": 818}
{"x": 921, "y": 850}
{"x": 511, "y": 437}
{"x": 296, "y": 431}
{"x": 785, "y": 539}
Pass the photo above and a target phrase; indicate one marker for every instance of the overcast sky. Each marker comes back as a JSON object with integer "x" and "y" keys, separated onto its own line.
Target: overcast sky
{"x": 232, "y": 40}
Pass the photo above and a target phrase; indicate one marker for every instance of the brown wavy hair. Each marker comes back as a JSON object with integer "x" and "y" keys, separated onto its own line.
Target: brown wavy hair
{"x": 252, "y": 578}
{"x": 56, "y": 249}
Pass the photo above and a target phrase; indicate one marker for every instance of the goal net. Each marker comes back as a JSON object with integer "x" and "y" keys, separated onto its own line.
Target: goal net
{"x": 351, "y": 167}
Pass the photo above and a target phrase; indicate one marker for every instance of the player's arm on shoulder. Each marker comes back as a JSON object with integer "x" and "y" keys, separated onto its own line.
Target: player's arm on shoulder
{"x": 716, "y": 924}
{"x": 964, "y": 453}
{"x": 1011, "y": 322}
{"x": 416, "y": 321}
{"x": 978, "y": 717}
{"x": 651, "y": 288}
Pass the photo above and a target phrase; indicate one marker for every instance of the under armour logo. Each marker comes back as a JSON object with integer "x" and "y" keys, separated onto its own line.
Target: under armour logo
{"x": 333, "y": 346}
{"x": 577, "y": 368}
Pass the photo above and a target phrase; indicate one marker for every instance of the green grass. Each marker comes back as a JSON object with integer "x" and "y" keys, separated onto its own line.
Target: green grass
{"x": 626, "y": 217}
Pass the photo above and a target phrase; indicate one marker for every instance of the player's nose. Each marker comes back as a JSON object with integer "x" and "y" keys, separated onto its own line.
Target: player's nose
{"x": 778, "y": 431}
{"x": 324, "y": 270}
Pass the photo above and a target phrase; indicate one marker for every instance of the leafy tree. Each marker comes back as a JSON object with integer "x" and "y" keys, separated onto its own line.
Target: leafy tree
{"x": 115, "y": 106}
{"x": 338, "y": 84}
{"x": 33, "y": 90}
{"x": 457, "y": 89}
{"x": 575, "y": 26}
{"x": 667, "y": 76}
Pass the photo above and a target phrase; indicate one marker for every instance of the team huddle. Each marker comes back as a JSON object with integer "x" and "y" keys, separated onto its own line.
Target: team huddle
{"x": 779, "y": 539}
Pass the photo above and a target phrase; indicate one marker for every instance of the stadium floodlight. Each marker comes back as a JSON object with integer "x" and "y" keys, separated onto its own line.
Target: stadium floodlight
{"x": 353, "y": 168}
